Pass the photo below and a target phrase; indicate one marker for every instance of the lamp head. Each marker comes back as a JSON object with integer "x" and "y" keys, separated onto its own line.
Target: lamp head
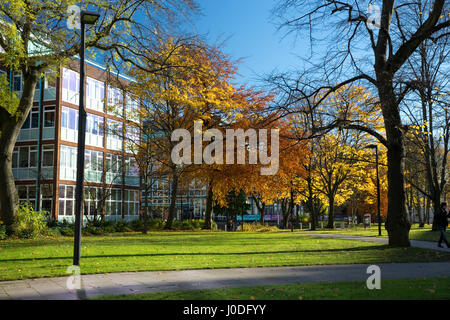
{"x": 89, "y": 17}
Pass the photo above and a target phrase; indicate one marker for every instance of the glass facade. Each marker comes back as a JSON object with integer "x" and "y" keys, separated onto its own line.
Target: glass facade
{"x": 94, "y": 130}
{"x": 93, "y": 164}
{"x": 110, "y": 175}
{"x": 114, "y": 135}
{"x": 95, "y": 94}
{"x": 70, "y": 86}
{"x": 114, "y": 167}
{"x": 115, "y": 101}
{"x": 69, "y": 124}
{"x": 131, "y": 203}
{"x": 114, "y": 202}
{"x": 66, "y": 200}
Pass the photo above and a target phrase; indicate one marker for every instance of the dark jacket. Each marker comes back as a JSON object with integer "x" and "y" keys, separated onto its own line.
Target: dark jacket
{"x": 442, "y": 218}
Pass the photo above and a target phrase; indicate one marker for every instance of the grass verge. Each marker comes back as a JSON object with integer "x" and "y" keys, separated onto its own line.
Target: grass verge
{"x": 21, "y": 259}
{"x": 399, "y": 289}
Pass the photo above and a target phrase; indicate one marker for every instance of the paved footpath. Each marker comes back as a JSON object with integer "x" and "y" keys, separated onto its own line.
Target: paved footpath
{"x": 156, "y": 281}
{"x": 139, "y": 282}
{"x": 414, "y": 243}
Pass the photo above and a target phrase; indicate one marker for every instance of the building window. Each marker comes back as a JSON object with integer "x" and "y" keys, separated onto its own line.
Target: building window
{"x": 17, "y": 81}
{"x": 27, "y": 193}
{"x": 71, "y": 86}
{"x": 114, "y": 202}
{"x": 46, "y": 197}
{"x": 66, "y": 200}
{"x": 113, "y": 168}
{"x": 67, "y": 163}
{"x": 32, "y": 121}
{"x": 114, "y": 135}
{"x": 115, "y": 101}
{"x": 113, "y": 163}
{"x": 49, "y": 117}
{"x": 95, "y": 94}
{"x": 94, "y": 130}
{"x": 47, "y": 155}
{"x": 92, "y": 201}
{"x": 24, "y": 157}
{"x": 131, "y": 168}
{"x": 131, "y": 172}
{"x": 131, "y": 202}
{"x": 132, "y": 140}
{"x": 132, "y": 108}
{"x": 93, "y": 164}
{"x": 69, "y": 124}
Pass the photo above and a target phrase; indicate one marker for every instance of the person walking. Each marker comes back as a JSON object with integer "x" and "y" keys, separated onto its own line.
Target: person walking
{"x": 442, "y": 223}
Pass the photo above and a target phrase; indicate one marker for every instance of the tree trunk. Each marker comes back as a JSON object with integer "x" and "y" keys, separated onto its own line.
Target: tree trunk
{"x": 173, "y": 200}
{"x": 419, "y": 210}
{"x": 313, "y": 214}
{"x": 312, "y": 207}
{"x": 330, "y": 224}
{"x": 10, "y": 126}
{"x": 284, "y": 212}
{"x": 209, "y": 209}
{"x": 436, "y": 206}
{"x": 261, "y": 212}
{"x": 145, "y": 216}
{"x": 397, "y": 224}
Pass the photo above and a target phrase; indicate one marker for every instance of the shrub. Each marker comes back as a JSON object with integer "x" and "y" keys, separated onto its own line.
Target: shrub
{"x": 155, "y": 224}
{"x": 53, "y": 232}
{"x": 186, "y": 225}
{"x": 2, "y": 231}
{"x": 66, "y": 231}
{"x": 29, "y": 223}
{"x": 121, "y": 226}
{"x": 137, "y": 225}
{"x": 258, "y": 227}
{"x": 92, "y": 230}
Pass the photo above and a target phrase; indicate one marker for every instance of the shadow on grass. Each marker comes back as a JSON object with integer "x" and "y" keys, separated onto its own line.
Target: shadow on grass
{"x": 365, "y": 248}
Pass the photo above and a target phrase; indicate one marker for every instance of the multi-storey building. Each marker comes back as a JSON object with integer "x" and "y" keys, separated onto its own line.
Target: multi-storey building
{"x": 111, "y": 180}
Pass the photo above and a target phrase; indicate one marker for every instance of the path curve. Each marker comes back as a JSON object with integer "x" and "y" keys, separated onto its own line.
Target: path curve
{"x": 414, "y": 243}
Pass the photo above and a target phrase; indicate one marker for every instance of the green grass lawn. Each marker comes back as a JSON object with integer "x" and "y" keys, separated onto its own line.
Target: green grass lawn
{"x": 20, "y": 259}
{"x": 410, "y": 289}
{"x": 416, "y": 233}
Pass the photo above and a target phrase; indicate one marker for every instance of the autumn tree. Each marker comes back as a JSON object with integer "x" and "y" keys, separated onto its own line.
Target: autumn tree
{"x": 370, "y": 49}
{"x": 195, "y": 90}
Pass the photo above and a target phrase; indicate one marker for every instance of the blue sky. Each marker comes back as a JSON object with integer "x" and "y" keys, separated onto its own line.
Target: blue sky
{"x": 250, "y": 35}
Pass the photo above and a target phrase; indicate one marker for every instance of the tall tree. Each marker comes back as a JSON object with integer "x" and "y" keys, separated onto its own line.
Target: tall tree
{"x": 370, "y": 48}
{"x": 428, "y": 118}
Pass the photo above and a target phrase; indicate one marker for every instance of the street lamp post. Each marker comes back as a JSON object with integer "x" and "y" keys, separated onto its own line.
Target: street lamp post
{"x": 374, "y": 146}
{"x": 86, "y": 18}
